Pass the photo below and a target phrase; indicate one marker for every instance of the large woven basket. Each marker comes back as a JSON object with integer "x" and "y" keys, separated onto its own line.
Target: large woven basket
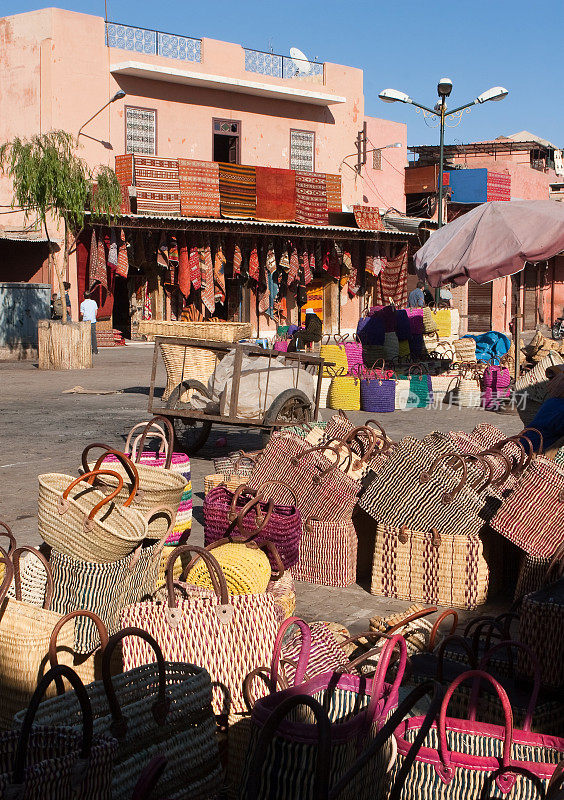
{"x": 219, "y": 331}
{"x": 157, "y": 487}
{"x": 247, "y": 570}
{"x": 344, "y": 392}
{"x": 424, "y": 566}
{"x": 183, "y": 363}
{"x": 112, "y": 533}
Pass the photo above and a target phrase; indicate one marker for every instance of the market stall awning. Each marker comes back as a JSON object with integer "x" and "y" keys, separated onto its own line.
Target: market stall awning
{"x": 491, "y": 241}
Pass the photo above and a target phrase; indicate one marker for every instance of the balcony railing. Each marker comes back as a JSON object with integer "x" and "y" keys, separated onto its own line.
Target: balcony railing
{"x": 153, "y": 43}
{"x": 282, "y": 66}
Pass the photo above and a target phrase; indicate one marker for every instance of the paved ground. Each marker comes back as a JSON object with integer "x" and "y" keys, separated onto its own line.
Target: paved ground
{"x": 44, "y": 430}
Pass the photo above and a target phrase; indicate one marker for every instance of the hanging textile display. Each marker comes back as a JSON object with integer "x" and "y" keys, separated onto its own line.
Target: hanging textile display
{"x": 354, "y": 277}
{"x": 113, "y": 249}
{"x": 122, "y": 268}
{"x": 380, "y": 259}
{"x": 156, "y": 181}
{"x": 237, "y": 191}
{"x": 308, "y": 275}
{"x": 335, "y": 259}
{"x": 270, "y": 258}
{"x": 392, "y": 280}
{"x": 206, "y": 269}
{"x": 272, "y": 292}
{"x": 172, "y": 249}
{"x": 183, "y": 265}
{"x": 254, "y": 267}
{"x": 237, "y": 259}
{"x": 199, "y": 188}
{"x": 263, "y": 292}
{"x": 284, "y": 262}
{"x": 219, "y": 273}
{"x": 311, "y": 198}
{"x": 194, "y": 265}
{"x": 294, "y": 272}
{"x": 334, "y": 200}
{"x": 276, "y": 194}
{"x": 97, "y": 262}
{"x": 368, "y": 218}
{"x": 162, "y": 251}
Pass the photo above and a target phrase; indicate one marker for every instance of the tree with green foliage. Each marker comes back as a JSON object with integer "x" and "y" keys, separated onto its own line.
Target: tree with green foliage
{"x": 50, "y": 178}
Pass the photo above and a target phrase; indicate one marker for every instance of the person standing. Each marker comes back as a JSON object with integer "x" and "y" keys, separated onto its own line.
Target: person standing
{"x": 446, "y": 295}
{"x": 416, "y": 297}
{"x": 88, "y": 309}
{"x": 66, "y": 286}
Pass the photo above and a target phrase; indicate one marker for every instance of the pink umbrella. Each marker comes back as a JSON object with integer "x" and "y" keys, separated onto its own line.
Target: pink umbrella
{"x": 491, "y": 241}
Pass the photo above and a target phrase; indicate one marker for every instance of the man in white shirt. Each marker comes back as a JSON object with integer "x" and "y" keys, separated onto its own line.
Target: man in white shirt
{"x": 88, "y": 309}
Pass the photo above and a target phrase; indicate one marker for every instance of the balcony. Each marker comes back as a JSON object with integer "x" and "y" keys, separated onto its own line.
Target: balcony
{"x": 286, "y": 67}
{"x": 153, "y": 43}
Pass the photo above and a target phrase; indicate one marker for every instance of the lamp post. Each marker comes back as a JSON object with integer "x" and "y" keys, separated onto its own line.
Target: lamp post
{"x": 444, "y": 88}
{"x": 117, "y": 96}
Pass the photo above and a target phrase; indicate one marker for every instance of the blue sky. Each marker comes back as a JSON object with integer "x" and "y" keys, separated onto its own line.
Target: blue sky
{"x": 406, "y": 45}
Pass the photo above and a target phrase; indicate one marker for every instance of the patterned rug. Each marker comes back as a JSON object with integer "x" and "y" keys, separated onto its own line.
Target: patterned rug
{"x": 391, "y": 284}
{"x": 237, "y": 191}
{"x": 276, "y": 194}
{"x": 158, "y": 189}
{"x": 368, "y": 218}
{"x": 334, "y": 199}
{"x": 199, "y": 188}
{"x": 311, "y": 198}
{"x": 124, "y": 170}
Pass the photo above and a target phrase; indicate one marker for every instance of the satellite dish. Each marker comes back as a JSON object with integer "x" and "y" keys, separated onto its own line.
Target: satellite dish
{"x": 301, "y": 61}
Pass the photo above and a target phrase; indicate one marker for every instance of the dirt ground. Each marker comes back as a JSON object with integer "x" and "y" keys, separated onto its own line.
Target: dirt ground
{"x": 44, "y": 429}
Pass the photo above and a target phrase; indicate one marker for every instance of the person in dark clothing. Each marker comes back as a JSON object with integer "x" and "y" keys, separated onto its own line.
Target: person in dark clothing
{"x": 311, "y": 333}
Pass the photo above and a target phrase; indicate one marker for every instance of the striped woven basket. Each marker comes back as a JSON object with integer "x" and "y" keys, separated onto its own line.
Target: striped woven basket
{"x": 428, "y": 567}
{"x": 283, "y": 592}
{"x": 429, "y": 321}
{"x": 327, "y": 553}
{"x": 464, "y": 349}
{"x": 344, "y": 393}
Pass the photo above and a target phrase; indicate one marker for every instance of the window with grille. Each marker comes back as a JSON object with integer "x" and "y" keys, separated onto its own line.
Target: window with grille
{"x": 302, "y": 150}
{"x": 141, "y": 131}
{"x": 377, "y": 159}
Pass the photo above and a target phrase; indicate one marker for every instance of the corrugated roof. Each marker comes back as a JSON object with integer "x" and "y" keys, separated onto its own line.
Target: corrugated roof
{"x": 294, "y": 226}
{"x": 24, "y": 235}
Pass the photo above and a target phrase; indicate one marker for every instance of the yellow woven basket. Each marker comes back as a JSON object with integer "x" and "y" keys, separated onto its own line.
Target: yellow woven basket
{"x": 247, "y": 570}
{"x": 335, "y": 353}
{"x": 344, "y": 393}
{"x": 442, "y": 317}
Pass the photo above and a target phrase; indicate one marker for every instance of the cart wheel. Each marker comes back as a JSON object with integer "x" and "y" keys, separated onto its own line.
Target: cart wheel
{"x": 292, "y": 405}
{"x": 191, "y": 434}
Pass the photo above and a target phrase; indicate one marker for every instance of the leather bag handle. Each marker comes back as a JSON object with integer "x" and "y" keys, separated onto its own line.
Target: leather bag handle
{"x": 445, "y": 769}
{"x": 425, "y": 476}
{"x": 7, "y": 532}
{"x": 88, "y": 521}
{"x": 224, "y": 610}
{"x": 450, "y": 612}
{"x": 161, "y": 706}
{"x": 305, "y": 651}
{"x": 52, "y": 652}
{"x": 130, "y": 449}
{"x": 127, "y": 464}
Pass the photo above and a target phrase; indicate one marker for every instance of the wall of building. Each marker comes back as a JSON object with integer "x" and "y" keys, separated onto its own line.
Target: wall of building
{"x": 55, "y": 73}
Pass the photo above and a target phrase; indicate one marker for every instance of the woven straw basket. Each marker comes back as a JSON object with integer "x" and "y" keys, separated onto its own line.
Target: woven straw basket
{"x": 336, "y": 354}
{"x": 157, "y": 487}
{"x": 464, "y": 349}
{"x": 344, "y": 393}
{"x": 67, "y": 522}
{"x": 183, "y": 363}
{"x": 230, "y": 481}
{"x": 247, "y": 570}
{"x": 219, "y": 331}
{"x": 425, "y": 567}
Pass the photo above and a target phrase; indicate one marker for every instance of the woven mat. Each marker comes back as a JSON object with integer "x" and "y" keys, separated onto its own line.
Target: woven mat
{"x": 368, "y": 218}
{"x": 158, "y": 189}
{"x": 334, "y": 199}
{"x": 311, "y": 198}
{"x": 199, "y": 188}
{"x": 237, "y": 191}
{"x": 276, "y": 194}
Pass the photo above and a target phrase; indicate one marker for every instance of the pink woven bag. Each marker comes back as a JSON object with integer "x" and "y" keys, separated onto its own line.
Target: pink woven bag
{"x": 229, "y": 635}
{"x": 247, "y": 515}
{"x": 322, "y": 490}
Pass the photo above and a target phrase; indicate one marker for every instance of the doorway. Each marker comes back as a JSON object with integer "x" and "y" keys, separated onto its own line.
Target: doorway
{"x": 227, "y": 141}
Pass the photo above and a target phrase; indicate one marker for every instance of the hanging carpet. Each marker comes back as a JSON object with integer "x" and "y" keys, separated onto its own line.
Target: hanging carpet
{"x": 368, "y": 218}
{"x": 276, "y": 194}
{"x": 157, "y": 186}
{"x": 199, "y": 188}
{"x": 334, "y": 200}
{"x": 183, "y": 265}
{"x": 391, "y": 285}
{"x": 237, "y": 191}
{"x": 311, "y": 198}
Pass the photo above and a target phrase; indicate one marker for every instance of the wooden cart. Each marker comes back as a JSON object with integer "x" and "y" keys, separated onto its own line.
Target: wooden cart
{"x": 192, "y": 427}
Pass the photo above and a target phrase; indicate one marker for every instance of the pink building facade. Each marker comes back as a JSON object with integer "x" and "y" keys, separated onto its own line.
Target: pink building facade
{"x": 58, "y": 68}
